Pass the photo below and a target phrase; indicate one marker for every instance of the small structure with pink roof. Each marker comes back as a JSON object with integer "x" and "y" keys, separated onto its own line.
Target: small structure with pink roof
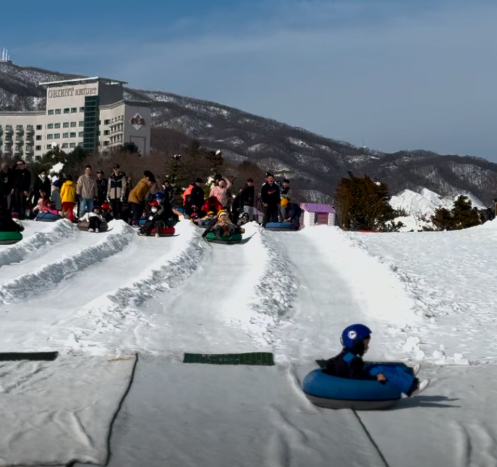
{"x": 317, "y": 214}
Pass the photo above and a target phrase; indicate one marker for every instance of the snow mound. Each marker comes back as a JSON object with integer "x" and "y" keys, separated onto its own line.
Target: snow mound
{"x": 172, "y": 273}
{"x": 102, "y": 325}
{"x": 49, "y": 275}
{"x": 57, "y": 231}
{"x": 449, "y": 276}
{"x": 277, "y": 288}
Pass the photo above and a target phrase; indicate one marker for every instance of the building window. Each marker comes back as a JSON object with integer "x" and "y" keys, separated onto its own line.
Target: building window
{"x": 106, "y": 143}
{"x": 49, "y": 146}
{"x": 82, "y": 123}
{"x": 106, "y": 132}
{"x": 57, "y": 111}
{"x": 66, "y": 111}
{"x": 65, "y": 124}
{"x": 73, "y": 124}
{"x": 72, "y": 145}
{"x": 65, "y": 145}
{"x": 50, "y": 126}
{"x": 38, "y": 148}
{"x": 81, "y": 134}
{"x": 81, "y": 109}
{"x": 73, "y": 135}
{"x": 106, "y": 122}
{"x": 39, "y": 127}
{"x": 56, "y": 136}
{"x": 65, "y": 135}
{"x": 50, "y": 112}
{"x": 38, "y": 137}
{"x": 50, "y": 136}
{"x": 74, "y": 110}
{"x": 57, "y": 125}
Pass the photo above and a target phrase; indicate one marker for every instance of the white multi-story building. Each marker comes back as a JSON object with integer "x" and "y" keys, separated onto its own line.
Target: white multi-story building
{"x": 86, "y": 112}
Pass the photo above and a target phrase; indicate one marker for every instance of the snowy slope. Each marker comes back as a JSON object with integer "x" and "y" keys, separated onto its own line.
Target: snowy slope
{"x": 427, "y": 296}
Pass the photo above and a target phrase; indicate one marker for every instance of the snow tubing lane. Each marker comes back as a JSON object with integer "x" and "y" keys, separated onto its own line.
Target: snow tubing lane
{"x": 211, "y": 238}
{"x": 47, "y": 217}
{"x": 83, "y": 226}
{"x": 9, "y": 238}
{"x": 332, "y": 392}
{"x": 280, "y": 226}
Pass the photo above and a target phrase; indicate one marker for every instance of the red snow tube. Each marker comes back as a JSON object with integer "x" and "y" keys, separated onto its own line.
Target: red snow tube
{"x": 165, "y": 231}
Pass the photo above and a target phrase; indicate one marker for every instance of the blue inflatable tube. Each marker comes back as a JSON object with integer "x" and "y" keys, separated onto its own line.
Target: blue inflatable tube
{"x": 47, "y": 217}
{"x": 332, "y": 392}
{"x": 285, "y": 226}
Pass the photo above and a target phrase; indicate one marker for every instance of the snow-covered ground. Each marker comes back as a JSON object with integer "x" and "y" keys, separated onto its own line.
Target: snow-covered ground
{"x": 97, "y": 297}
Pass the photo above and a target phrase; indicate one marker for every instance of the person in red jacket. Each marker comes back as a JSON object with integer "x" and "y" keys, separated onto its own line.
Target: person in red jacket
{"x": 212, "y": 204}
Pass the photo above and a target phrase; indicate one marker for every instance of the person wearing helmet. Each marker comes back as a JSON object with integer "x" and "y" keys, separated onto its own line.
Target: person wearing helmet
{"x": 349, "y": 364}
{"x": 159, "y": 217}
{"x": 94, "y": 219}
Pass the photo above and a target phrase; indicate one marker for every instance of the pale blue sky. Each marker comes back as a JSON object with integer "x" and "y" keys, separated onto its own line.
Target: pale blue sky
{"x": 402, "y": 74}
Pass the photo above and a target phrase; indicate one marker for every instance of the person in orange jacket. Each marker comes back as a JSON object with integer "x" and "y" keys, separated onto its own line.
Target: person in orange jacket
{"x": 68, "y": 198}
{"x": 138, "y": 193}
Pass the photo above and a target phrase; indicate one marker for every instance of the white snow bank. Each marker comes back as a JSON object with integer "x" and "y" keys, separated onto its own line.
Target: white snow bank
{"x": 277, "y": 287}
{"x": 450, "y": 276}
{"x": 111, "y": 323}
{"x": 413, "y": 223}
{"x": 166, "y": 273}
{"x": 49, "y": 275}
{"x": 56, "y": 232}
{"x": 489, "y": 225}
{"x": 60, "y": 412}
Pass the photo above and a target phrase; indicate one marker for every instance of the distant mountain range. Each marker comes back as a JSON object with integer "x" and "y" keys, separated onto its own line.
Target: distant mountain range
{"x": 313, "y": 162}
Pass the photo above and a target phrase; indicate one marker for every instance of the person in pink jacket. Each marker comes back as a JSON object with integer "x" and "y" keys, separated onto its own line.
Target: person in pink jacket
{"x": 221, "y": 192}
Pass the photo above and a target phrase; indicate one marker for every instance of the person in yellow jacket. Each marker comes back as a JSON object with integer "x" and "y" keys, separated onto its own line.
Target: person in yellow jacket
{"x": 137, "y": 195}
{"x": 68, "y": 198}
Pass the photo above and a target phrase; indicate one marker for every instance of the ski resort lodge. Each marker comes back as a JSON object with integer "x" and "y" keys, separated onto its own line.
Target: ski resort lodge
{"x": 87, "y": 112}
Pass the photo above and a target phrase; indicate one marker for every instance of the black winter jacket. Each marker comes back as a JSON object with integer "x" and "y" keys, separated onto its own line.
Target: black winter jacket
{"x": 248, "y": 196}
{"x": 354, "y": 369}
{"x": 270, "y": 194}
{"x": 22, "y": 179}
{"x": 102, "y": 186}
{"x": 41, "y": 185}
{"x": 6, "y": 182}
{"x": 197, "y": 197}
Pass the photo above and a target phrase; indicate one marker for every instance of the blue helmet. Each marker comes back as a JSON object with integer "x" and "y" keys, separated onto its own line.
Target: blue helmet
{"x": 355, "y": 334}
{"x": 159, "y": 195}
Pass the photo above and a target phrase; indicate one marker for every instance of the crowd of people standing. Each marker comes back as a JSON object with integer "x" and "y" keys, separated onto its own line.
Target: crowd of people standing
{"x": 115, "y": 197}
{"x": 273, "y": 200}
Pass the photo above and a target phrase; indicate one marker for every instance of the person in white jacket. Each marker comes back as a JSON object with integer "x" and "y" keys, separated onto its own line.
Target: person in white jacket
{"x": 94, "y": 219}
